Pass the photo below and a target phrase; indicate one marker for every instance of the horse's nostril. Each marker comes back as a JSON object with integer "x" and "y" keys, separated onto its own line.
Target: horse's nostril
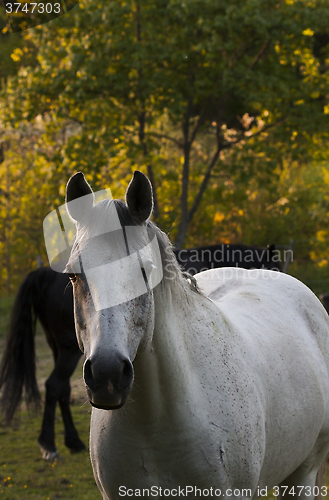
{"x": 126, "y": 374}
{"x": 88, "y": 375}
{"x": 114, "y": 374}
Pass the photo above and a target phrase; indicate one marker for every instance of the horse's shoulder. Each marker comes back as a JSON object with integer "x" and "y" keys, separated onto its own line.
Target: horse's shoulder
{"x": 218, "y": 283}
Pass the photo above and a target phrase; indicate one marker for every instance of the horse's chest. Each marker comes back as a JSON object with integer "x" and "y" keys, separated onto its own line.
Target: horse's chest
{"x": 161, "y": 460}
{"x": 165, "y": 459}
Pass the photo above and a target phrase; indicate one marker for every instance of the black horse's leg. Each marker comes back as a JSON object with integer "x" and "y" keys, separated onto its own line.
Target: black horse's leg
{"x": 72, "y": 440}
{"x": 46, "y": 438}
{"x": 58, "y": 389}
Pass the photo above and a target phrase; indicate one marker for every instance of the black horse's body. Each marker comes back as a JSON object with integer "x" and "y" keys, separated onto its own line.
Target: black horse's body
{"x": 43, "y": 295}
{"x": 196, "y": 260}
{"x": 46, "y": 295}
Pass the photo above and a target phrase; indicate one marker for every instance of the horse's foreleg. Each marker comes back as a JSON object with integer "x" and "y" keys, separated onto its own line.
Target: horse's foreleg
{"x": 68, "y": 362}
{"x": 46, "y": 438}
{"x": 304, "y": 483}
{"x": 58, "y": 389}
{"x": 72, "y": 440}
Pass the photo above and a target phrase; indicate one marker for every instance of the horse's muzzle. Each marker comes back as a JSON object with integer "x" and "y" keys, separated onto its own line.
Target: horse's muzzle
{"x": 108, "y": 381}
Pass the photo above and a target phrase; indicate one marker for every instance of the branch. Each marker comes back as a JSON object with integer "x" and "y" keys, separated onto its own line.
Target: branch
{"x": 247, "y": 137}
{"x": 260, "y": 54}
{"x": 220, "y": 147}
{"x": 201, "y": 119}
{"x": 207, "y": 175}
{"x": 239, "y": 54}
{"x": 204, "y": 183}
{"x": 168, "y": 137}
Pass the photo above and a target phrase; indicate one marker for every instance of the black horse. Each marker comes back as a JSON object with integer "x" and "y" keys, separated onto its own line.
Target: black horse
{"x": 45, "y": 295}
{"x": 325, "y": 301}
{"x": 195, "y": 260}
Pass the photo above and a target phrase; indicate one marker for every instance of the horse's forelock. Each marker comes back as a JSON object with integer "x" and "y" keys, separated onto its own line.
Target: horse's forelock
{"x": 171, "y": 269}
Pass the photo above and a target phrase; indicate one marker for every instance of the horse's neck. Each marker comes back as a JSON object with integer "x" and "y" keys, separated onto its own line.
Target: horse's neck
{"x": 164, "y": 377}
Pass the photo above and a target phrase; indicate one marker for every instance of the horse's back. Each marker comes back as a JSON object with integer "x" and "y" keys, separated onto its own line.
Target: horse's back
{"x": 267, "y": 294}
{"x": 279, "y": 332}
{"x": 269, "y": 308}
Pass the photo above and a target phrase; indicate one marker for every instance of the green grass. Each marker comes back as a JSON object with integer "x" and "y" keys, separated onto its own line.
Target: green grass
{"x": 23, "y": 472}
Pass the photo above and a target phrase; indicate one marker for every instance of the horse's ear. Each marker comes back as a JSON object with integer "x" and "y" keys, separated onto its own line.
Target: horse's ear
{"x": 139, "y": 197}
{"x": 79, "y": 196}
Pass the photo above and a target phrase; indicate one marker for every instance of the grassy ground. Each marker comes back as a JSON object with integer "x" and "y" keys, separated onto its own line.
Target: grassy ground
{"x": 23, "y": 472}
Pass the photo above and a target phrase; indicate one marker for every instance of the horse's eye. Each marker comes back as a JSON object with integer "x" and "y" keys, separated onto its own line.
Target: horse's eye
{"x": 72, "y": 277}
{"x": 148, "y": 266}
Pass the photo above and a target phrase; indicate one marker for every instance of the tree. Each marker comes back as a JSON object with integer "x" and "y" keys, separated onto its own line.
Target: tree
{"x": 28, "y": 192}
{"x": 205, "y": 76}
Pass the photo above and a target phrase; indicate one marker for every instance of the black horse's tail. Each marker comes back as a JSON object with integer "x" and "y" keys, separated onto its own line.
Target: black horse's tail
{"x": 17, "y": 369}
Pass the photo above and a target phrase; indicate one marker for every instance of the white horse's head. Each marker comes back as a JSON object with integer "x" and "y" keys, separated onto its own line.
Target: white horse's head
{"x": 114, "y": 265}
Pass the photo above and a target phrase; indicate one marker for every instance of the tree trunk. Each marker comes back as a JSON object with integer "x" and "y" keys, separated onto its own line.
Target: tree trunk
{"x": 142, "y": 120}
{"x": 183, "y": 226}
{"x": 150, "y": 174}
{"x": 7, "y": 223}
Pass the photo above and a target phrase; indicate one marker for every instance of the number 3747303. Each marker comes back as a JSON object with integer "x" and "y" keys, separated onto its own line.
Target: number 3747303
{"x": 30, "y": 8}
{"x": 307, "y": 491}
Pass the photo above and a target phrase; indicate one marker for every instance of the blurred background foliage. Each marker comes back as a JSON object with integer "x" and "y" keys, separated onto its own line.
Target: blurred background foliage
{"x": 223, "y": 104}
